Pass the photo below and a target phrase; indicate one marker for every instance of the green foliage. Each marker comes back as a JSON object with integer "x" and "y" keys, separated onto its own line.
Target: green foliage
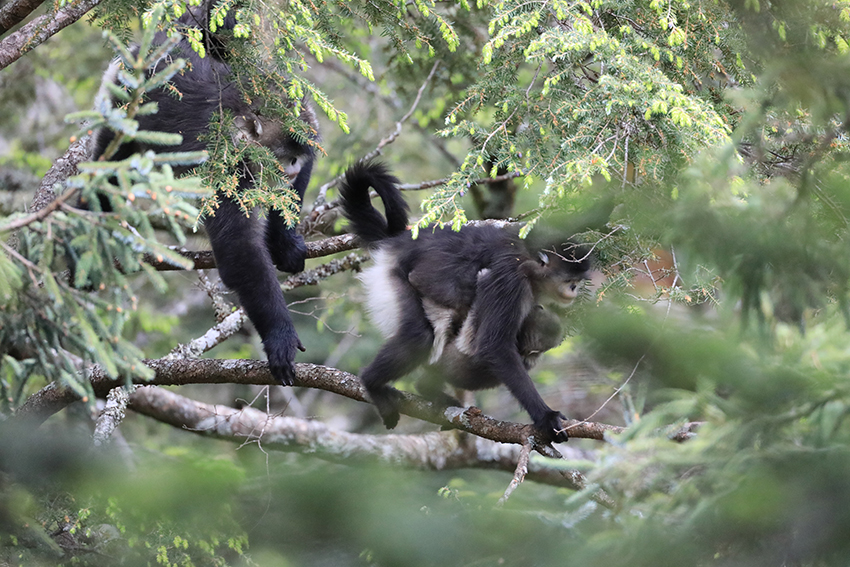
{"x": 574, "y": 93}
{"x": 714, "y": 134}
{"x": 175, "y": 515}
{"x": 221, "y": 173}
{"x": 30, "y": 161}
{"x": 50, "y": 320}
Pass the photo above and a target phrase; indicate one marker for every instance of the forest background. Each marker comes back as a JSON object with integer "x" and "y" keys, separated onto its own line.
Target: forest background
{"x": 699, "y": 147}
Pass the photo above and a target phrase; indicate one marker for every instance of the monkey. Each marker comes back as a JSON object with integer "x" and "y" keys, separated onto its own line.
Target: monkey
{"x": 468, "y": 302}
{"x": 247, "y": 249}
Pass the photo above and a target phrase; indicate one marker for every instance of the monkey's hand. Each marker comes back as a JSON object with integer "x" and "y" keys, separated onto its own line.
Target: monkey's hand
{"x": 290, "y": 256}
{"x": 280, "y": 348}
{"x": 552, "y": 427}
{"x": 386, "y": 399}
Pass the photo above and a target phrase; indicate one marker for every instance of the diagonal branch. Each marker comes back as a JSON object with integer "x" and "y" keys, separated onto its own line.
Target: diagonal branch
{"x": 15, "y": 12}
{"x": 40, "y": 29}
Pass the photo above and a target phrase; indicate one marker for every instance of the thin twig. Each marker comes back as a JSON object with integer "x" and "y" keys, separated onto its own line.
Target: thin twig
{"x": 611, "y": 397}
{"x": 397, "y": 132}
{"x": 321, "y": 199}
{"x": 438, "y": 182}
{"x": 519, "y": 473}
{"x": 41, "y": 214}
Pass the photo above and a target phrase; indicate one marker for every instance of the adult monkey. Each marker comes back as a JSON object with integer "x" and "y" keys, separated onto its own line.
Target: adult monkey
{"x": 247, "y": 249}
{"x": 468, "y": 303}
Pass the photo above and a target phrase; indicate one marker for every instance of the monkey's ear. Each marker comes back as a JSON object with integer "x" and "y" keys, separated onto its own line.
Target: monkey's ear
{"x": 248, "y": 129}
{"x": 544, "y": 258}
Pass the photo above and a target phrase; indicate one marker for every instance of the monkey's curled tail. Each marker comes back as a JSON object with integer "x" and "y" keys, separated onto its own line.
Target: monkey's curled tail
{"x": 366, "y": 221}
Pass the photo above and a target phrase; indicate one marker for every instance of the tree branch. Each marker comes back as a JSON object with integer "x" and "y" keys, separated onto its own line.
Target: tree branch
{"x": 62, "y": 169}
{"x": 37, "y": 31}
{"x": 40, "y": 214}
{"x": 520, "y": 473}
{"x": 320, "y": 203}
{"x": 204, "y": 259}
{"x": 54, "y": 398}
{"x": 111, "y": 416}
{"x": 15, "y": 12}
{"x": 429, "y": 451}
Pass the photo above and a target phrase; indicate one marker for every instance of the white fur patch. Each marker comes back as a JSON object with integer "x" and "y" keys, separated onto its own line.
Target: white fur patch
{"x": 441, "y": 321}
{"x": 382, "y": 292}
{"x": 465, "y": 341}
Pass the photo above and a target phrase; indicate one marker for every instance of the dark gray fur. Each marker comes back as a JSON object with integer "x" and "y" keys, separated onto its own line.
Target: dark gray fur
{"x": 471, "y": 301}
{"x": 247, "y": 250}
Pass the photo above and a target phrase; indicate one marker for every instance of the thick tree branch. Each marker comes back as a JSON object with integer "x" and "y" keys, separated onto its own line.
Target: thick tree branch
{"x": 204, "y": 259}
{"x": 15, "y": 12}
{"x": 429, "y": 451}
{"x": 53, "y": 398}
{"x": 37, "y": 31}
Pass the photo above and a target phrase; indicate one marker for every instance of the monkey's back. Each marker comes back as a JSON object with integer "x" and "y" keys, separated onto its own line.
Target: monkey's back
{"x": 441, "y": 265}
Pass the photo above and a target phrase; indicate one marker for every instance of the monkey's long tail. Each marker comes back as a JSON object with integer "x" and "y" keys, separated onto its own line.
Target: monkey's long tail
{"x": 366, "y": 221}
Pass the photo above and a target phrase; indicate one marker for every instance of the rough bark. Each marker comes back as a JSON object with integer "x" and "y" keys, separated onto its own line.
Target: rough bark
{"x": 15, "y": 12}
{"x": 53, "y": 398}
{"x": 37, "y": 31}
{"x": 429, "y": 451}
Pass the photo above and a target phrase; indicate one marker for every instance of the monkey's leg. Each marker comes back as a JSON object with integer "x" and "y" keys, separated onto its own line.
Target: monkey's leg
{"x": 407, "y": 349}
{"x": 245, "y": 266}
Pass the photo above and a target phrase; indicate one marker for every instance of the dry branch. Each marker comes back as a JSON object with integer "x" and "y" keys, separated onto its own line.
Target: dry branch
{"x": 520, "y": 473}
{"x": 429, "y": 451}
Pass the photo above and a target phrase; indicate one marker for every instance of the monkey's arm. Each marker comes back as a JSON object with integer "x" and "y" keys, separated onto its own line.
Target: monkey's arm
{"x": 286, "y": 246}
{"x": 245, "y": 266}
{"x": 502, "y": 304}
